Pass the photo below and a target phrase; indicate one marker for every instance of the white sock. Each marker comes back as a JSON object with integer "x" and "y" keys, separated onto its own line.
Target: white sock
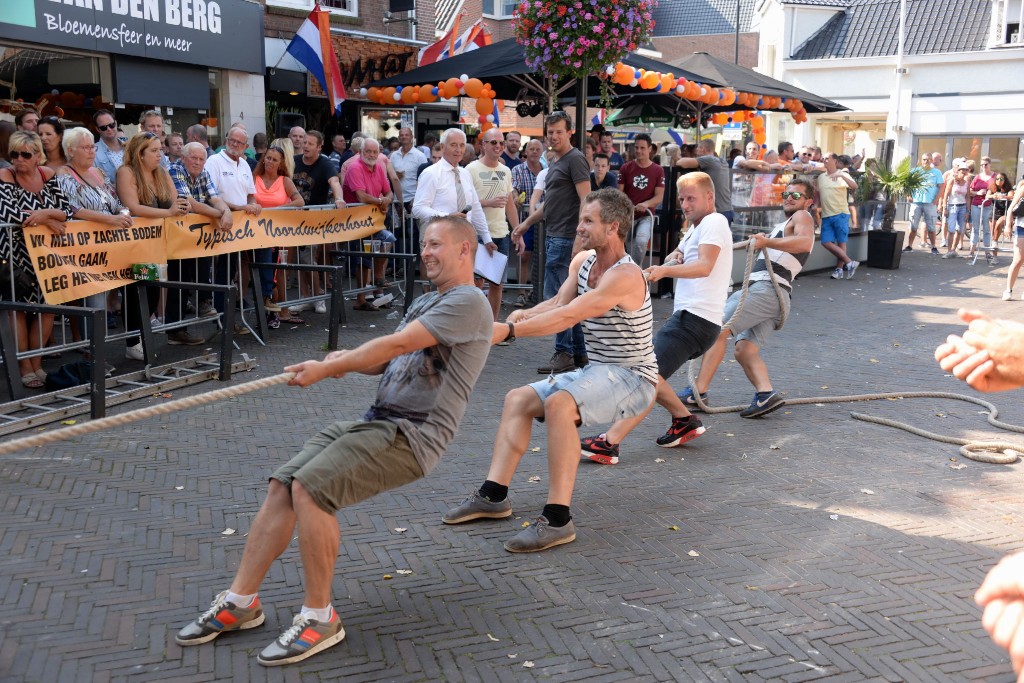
{"x": 322, "y": 614}
{"x": 240, "y": 600}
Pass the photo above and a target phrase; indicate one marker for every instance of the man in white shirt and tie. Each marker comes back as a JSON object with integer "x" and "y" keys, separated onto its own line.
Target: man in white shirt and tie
{"x": 445, "y": 189}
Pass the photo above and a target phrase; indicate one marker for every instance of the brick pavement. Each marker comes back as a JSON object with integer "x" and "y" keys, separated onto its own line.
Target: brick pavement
{"x": 112, "y": 542}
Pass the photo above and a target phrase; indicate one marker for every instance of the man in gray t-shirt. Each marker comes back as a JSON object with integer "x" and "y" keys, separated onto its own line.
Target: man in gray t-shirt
{"x": 429, "y": 367}
{"x": 567, "y": 183}
{"x": 721, "y": 178}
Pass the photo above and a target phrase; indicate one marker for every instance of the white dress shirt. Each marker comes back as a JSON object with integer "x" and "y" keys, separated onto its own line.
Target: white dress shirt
{"x": 233, "y": 179}
{"x": 437, "y": 195}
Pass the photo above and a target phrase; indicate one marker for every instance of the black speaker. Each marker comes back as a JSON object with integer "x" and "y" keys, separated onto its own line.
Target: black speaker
{"x": 287, "y": 120}
{"x": 884, "y": 150}
{"x": 401, "y": 5}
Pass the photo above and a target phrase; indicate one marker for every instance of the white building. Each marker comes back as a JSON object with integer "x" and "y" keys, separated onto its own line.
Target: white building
{"x": 953, "y": 84}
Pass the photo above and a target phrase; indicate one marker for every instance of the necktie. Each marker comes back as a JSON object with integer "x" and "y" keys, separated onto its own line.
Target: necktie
{"x": 460, "y": 194}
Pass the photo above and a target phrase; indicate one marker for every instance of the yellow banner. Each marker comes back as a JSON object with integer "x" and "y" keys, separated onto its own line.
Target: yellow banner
{"x": 90, "y": 258}
{"x": 194, "y": 235}
{"x": 93, "y": 257}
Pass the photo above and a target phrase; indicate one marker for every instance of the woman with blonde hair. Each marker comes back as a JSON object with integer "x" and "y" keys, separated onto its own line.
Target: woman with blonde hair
{"x": 35, "y": 199}
{"x": 146, "y": 190}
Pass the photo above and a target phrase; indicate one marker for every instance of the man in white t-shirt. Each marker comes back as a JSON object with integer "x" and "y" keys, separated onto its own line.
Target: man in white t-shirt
{"x": 702, "y": 267}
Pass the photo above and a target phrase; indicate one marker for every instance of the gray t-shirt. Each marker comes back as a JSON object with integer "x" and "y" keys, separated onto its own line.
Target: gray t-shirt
{"x": 561, "y": 202}
{"x": 425, "y": 392}
{"x": 720, "y": 178}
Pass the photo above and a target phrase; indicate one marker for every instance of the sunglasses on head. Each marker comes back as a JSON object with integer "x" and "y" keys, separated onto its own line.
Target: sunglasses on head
{"x": 149, "y": 136}
{"x": 793, "y": 195}
{"x": 107, "y": 127}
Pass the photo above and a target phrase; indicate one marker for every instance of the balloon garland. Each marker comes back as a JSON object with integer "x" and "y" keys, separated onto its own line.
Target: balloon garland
{"x": 621, "y": 74}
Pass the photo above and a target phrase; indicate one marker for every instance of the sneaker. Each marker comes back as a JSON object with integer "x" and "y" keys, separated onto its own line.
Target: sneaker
{"x": 1007, "y": 295}
{"x": 560, "y": 362}
{"x": 206, "y": 309}
{"x": 908, "y": 248}
{"x": 758, "y": 408}
{"x": 320, "y": 307}
{"x": 135, "y": 352}
{"x": 269, "y": 305}
{"x": 183, "y": 338}
{"x": 222, "y": 616}
{"x": 581, "y": 360}
{"x": 686, "y": 396}
{"x": 993, "y": 261}
{"x": 683, "y": 429}
{"x": 837, "y": 274}
{"x": 299, "y": 308}
{"x": 383, "y": 301}
{"x": 303, "y": 639}
{"x": 935, "y": 251}
{"x": 851, "y": 268}
{"x": 273, "y": 320}
{"x": 943, "y": 244}
{"x": 540, "y": 536}
{"x": 477, "y": 507}
{"x": 597, "y": 449}
{"x": 950, "y": 254}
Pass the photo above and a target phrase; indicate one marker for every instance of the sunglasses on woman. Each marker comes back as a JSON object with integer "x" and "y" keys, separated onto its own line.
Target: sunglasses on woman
{"x": 23, "y": 155}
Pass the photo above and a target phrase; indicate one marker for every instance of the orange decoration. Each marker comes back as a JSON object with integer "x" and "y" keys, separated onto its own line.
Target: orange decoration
{"x": 474, "y": 87}
{"x": 484, "y": 106}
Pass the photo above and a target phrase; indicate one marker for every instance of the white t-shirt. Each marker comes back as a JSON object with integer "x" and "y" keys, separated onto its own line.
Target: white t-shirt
{"x": 542, "y": 178}
{"x": 233, "y": 179}
{"x": 705, "y": 296}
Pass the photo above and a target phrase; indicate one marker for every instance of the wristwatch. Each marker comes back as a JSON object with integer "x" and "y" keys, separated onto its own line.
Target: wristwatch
{"x": 511, "y": 332}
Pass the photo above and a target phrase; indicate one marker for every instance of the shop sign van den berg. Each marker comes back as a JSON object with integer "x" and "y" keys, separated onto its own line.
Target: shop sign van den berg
{"x": 206, "y": 32}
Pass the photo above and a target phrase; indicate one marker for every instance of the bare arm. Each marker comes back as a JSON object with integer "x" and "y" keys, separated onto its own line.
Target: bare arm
{"x": 686, "y": 162}
{"x": 293, "y": 193}
{"x": 565, "y": 294}
{"x": 370, "y": 358}
{"x": 707, "y": 255}
{"x": 801, "y": 240}
{"x": 128, "y": 193}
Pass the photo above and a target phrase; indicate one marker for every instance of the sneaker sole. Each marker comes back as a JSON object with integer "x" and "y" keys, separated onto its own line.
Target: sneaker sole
{"x": 689, "y": 436}
{"x": 478, "y": 515}
{"x": 319, "y": 647}
{"x": 560, "y": 541}
{"x": 252, "y": 623}
{"x": 600, "y": 458}
{"x": 765, "y": 411}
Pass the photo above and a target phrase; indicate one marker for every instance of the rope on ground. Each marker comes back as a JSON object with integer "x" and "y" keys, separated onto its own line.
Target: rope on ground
{"x": 994, "y": 452}
{"x": 143, "y": 413}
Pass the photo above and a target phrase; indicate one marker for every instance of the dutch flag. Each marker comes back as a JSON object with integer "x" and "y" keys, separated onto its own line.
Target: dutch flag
{"x": 312, "y": 47}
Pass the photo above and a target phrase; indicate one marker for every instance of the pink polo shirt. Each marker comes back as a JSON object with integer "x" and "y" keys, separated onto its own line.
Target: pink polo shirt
{"x": 359, "y": 177}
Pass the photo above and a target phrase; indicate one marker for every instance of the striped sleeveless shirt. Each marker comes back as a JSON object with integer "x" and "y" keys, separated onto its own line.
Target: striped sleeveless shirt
{"x": 785, "y": 266}
{"x": 619, "y": 337}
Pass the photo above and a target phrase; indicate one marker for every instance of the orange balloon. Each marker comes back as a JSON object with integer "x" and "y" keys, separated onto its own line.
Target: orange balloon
{"x": 387, "y": 95}
{"x": 372, "y": 94}
{"x": 451, "y": 87}
{"x": 486, "y": 126}
{"x": 474, "y": 87}
{"x": 649, "y": 80}
{"x": 730, "y": 97}
{"x": 408, "y": 93}
{"x": 484, "y": 106}
{"x": 667, "y": 82}
{"x": 427, "y": 94}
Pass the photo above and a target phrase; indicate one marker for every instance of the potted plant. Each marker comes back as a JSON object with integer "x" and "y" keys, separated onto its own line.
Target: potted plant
{"x": 886, "y": 245}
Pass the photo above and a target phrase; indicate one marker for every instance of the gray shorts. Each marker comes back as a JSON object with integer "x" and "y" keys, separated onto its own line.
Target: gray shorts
{"x": 756, "y": 321}
{"x": 603, "y": 393}
{"x": 348, "y": 462}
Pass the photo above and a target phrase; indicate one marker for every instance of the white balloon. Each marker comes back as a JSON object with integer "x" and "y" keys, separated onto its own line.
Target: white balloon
{"x": 464, "y": 77}
{"x": 490, "y": 118}
{"x": 633, "y": 83}
{"x": 397, "y": 97}
{"x": 362, "y": 92}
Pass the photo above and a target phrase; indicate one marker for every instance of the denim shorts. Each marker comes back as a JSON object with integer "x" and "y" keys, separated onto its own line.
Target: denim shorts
{"x": 348, "y": 462}
{"x": 603, "y": 393}
{"x": 1020, "y": 231}
{"x": 756, "y": 321}
{"x": 835, "y": 228}
{"x": 683, "y": 337}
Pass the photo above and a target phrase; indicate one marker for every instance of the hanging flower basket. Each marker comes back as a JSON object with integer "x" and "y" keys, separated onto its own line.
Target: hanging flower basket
{"x": 583, "y": 37}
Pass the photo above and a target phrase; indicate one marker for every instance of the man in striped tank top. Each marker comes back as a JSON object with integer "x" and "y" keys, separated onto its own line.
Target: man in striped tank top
{"x": 788, "y": 245}
{"x": 607, "y": 293}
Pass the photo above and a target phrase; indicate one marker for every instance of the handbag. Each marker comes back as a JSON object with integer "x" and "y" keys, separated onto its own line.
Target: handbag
{"x": 20, "y": 280}
{"x": 1017, "y": 210}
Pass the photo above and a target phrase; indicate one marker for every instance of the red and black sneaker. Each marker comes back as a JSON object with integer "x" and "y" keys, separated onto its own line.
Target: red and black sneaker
{"x": 683, "y": 429}
{"x": 598, "y": 449}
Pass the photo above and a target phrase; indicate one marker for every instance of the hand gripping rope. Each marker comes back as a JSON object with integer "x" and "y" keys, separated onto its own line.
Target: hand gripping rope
{"x": 995, "y": 452}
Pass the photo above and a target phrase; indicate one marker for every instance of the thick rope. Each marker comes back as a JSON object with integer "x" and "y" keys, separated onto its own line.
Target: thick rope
{"x": 995, "y": 452}
{"x": 142, "y": 413}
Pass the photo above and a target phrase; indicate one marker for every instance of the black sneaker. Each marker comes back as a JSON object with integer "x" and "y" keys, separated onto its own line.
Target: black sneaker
{"x": 683, "y": 429}
{"x": 560, "y": 362}
{"x": 757, "y": 407}
{"x": 597, "y": 449}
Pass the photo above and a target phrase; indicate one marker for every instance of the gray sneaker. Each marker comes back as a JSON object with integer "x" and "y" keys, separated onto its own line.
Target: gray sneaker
{"x": 222, "y": 616}
{"x": 303, "y": 639}
{"x": 540, "y": 536}
{"x": 477, "y": 507}
{"x": 851, "y": 268}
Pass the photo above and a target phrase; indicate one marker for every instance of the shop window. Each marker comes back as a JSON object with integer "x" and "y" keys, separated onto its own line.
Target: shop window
{"x": 346, "y": 7}
{"x": 499, "y": 9}
{"x": 1003, "y": 152}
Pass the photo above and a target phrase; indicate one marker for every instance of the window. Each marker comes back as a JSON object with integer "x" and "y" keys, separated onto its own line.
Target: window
{"x": 1010, "y": 33}
{"x": 499, "y": 9}
{"x": 347, "y": 7}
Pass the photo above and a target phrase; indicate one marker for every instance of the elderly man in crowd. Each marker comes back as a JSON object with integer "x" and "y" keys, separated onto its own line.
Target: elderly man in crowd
{"x": 367, "y": 183}
{"x": 445, "y": 189}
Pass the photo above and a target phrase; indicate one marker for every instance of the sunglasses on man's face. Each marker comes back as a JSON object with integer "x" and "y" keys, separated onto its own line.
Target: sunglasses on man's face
{"x": 107, "y": 127}
{"x": 23, "y": 155}
{"x": 793, "y": 195}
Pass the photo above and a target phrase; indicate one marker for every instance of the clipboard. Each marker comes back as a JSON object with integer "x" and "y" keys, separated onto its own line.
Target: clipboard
{"x": 490, "y": 267}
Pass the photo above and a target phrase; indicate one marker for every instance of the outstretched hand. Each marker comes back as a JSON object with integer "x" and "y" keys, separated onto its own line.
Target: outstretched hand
{"x": 312, "y": 371}
{"x": 989, "y": 356}
{"x": 1002, "y": 596}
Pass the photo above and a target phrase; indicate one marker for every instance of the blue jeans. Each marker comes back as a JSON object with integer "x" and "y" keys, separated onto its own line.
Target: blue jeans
{"x": 981, "y": 219}
{"x": 557, "y": 257}
{"x": 956, "y": 216}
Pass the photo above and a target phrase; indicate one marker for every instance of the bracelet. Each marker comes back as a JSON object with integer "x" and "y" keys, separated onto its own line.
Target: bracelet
{"x": 511, "y": 332}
